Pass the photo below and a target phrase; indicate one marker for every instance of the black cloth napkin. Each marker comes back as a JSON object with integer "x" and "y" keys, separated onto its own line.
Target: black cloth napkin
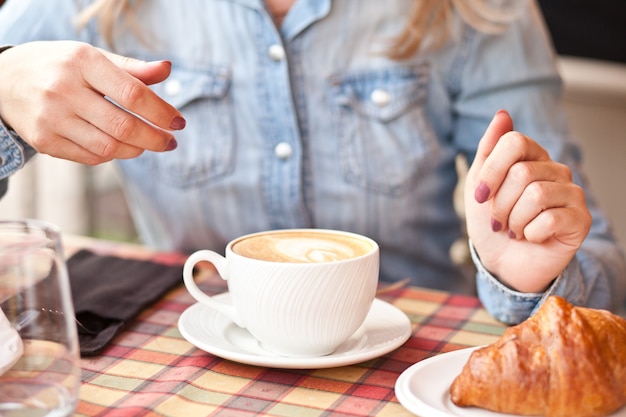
{"x": 109, "y": 292}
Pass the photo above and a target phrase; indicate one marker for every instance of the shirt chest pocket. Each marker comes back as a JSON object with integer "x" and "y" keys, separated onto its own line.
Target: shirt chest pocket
{"x": 206, "y": 146}
{"x": 384, "y": 137}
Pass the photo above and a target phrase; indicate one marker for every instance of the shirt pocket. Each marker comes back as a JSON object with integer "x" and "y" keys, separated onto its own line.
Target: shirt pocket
{"x": 206, "y": 146}
{"x": 384, "y": 137}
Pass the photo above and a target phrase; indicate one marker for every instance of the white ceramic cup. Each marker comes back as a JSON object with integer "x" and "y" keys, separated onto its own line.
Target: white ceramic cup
{"x": 303, "y": 305}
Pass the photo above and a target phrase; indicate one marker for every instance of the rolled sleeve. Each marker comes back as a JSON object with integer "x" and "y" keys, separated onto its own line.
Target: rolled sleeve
{"x": 12, "y": 154}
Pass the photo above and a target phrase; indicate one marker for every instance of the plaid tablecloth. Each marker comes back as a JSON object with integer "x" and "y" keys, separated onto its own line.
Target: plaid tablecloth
{"x": 151, "y": 370}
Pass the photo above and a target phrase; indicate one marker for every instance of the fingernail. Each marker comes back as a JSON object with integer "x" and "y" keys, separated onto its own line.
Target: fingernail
{"x": 173, "y": 144}
{"x": 162, "y": 61}
{"x": 178, "y": 123}
{"x": 512, "y": 235}
{"x": 481, "y": 194}
{"x": 496, "y": 226}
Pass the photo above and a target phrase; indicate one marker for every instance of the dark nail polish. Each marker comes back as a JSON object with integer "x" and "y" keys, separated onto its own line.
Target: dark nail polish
{"x": 512, "y": 235}
{"x": 178, "y": 123}
{"x": 496, "y": 226}
{"x": 481, "y": 194}
{"x": 173, "y": 144}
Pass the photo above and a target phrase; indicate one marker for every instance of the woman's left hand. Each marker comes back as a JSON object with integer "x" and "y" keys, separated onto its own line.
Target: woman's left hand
{"x": 525, "y": 216}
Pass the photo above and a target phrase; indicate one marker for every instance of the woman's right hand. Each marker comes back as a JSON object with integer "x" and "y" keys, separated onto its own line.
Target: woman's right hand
{"x": 52, "y": 93}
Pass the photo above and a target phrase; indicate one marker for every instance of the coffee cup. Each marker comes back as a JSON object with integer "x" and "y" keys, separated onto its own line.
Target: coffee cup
{"x": 299, "y": 292}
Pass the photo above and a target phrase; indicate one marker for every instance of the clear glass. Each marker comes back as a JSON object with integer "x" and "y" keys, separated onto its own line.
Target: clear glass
{"x": 39, "y": 355}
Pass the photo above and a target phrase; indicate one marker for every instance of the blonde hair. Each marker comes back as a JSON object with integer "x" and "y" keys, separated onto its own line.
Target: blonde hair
{"x": 108, "y": 13}
{"x": 435, "y": 18}
{"x": 428, "y": 18}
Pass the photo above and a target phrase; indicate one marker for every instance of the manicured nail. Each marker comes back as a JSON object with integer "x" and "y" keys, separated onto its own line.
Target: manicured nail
{"x": 172, "y": 145}
{"x": 481, "y": 194}
{"x": 496, "y": 226}
{"x": 161, "y": 61}
{"x": 512, "y": 235}
{"x": 178, "y": 123}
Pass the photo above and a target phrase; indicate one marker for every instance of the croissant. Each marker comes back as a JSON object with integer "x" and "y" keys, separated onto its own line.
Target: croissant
{"x": 564, "y": 361}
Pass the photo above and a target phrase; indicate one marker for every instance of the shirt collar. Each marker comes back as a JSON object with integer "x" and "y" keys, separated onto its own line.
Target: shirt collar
{"x": 301, "y": 15}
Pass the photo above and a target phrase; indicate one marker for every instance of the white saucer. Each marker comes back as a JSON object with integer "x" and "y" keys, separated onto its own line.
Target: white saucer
{"x": 385, "y": 329}
{"x": 423, "y": 389}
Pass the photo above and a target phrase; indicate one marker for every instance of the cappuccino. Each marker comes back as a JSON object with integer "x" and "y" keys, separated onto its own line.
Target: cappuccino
{"x": 299, "y": 292}
{"x": 302, "y": 246}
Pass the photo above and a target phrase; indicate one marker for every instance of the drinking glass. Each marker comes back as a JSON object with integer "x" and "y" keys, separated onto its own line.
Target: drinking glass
{"x": 39, "y": 356}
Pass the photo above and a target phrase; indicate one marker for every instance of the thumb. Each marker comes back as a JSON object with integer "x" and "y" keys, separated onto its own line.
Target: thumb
{"x": 148, "y": 72}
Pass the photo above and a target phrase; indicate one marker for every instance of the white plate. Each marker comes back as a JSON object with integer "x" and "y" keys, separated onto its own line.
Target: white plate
{"x": 423, "y": 388}
{"x": 385, "y": 329}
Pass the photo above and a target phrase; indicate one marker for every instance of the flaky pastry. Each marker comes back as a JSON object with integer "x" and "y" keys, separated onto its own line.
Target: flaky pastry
{"x": 564, "y": 361}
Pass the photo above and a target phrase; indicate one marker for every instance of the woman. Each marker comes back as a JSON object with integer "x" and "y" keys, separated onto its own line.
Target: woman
{"x": 331, "y": 114}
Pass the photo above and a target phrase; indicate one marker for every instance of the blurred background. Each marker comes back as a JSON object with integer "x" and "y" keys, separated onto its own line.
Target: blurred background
{"x": 589, "y": 36}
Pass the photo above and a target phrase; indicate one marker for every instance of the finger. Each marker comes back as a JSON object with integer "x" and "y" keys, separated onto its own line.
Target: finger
{"x": 538, "y": 197}
{"x": 525, "y": 178}
{"x": 151, "y": 72}
{"x": 70, "y": 148}
{"x": 120, "y": 125}
{"x": 499, "y": 125}
{"x": 131, "y": 93}
{"x": 65, "y": 148}
{"x": 512, "y": 148}
{"x": 57, "y": 124}
{"x": 566, "y": 225}
{"x": 101, "y": 145}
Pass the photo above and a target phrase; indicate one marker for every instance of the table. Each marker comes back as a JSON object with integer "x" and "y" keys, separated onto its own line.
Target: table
{"x": 151, "y": 370}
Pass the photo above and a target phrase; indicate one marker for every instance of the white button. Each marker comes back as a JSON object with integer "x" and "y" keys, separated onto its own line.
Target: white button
{"x": 283, "y": 150}
{"x": 380, "y": 97}
{"x": 276, "y": 52}
{"x": 172, "y": 87}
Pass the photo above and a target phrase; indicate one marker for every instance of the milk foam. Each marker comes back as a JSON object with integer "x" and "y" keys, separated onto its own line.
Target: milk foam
{"x": 303, "y": 249}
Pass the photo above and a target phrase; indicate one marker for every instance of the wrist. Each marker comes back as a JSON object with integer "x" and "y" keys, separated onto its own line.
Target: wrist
{"x": 519, "y": 283}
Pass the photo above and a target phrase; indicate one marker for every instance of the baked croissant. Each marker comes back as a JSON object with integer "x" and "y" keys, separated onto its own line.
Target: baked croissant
{"x": 564, "y": 361}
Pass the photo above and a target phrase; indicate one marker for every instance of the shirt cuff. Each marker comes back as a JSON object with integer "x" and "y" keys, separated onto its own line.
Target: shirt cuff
{"x": 505, "y": 304}
{"x": 14, "y": 152}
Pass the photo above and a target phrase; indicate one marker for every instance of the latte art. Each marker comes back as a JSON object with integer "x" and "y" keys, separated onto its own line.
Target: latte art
{"x": 312, "y": 250}
{"x": 302, "y": 247}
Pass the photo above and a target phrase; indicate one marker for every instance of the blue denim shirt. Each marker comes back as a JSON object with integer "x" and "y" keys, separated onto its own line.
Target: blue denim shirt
{"x": 312, "y": 125}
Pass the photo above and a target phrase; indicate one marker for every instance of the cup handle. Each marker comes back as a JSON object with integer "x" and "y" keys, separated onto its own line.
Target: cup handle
{"x": 221, "y": 265}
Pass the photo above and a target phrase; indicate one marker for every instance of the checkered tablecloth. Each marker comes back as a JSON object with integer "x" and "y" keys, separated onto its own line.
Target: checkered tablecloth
{"x": 151, "y": 370}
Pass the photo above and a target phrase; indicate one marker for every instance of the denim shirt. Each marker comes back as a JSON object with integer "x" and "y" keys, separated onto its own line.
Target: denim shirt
{"x": 312, "y": 125}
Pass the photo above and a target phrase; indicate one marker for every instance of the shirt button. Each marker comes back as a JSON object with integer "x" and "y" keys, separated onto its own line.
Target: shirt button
{"x": 283, "y": 150}
{"x": 276, "y": 52}
{"x": 172, "y": 87}
{"x": 380, "y": 97}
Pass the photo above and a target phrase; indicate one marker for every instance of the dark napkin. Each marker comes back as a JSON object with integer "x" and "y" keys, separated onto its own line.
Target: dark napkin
{"x": 109, "y": 292}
